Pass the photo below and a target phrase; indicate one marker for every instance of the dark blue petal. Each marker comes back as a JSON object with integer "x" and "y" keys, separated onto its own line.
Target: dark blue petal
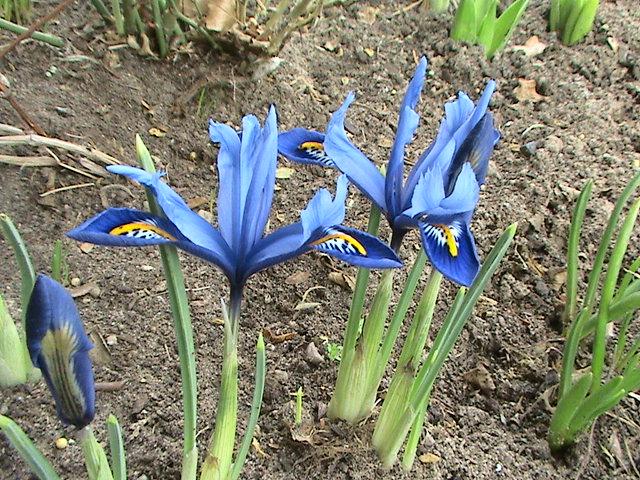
{"x": 407, "y": 125}
{"x": 476, "y": 150}
{"x": 304, "y": 146}
{"x": 124, "y": 227}
{"x": 195, "y": 228}
{"x": 356, "y": 247}
{"x": 59, "y": 346}
{"x": 451, "y": 248}
{"x": 351, "y": 161}
{"x": 279, "y": 246}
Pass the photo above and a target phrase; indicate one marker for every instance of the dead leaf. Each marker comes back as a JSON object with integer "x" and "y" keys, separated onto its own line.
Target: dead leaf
{"x": 197, "y": 202}
{"x": 369, "y": 52}
{"x": 385, "y": 142}
{"x": 278, "y": 338}
{"x": 368, "y": 14}
{"x": 283, "y": 173}
{"x": 221, "y": 15}
{"x": 82, "y": 290}
{"x": 256, "y": 446}
{"x": 297, "y": 278}
{"x": 306, "y": 306}
{"x": 303, "y": 433}
{"x": 156, "y": 132}
{"x": 526, "y": 90}
{"x": 345, "y": 281}
{"x": 531, "y": 47}
{"x": 613, "y": 44}
{"x": 429, "y": 458}
{"x": 264, "y": 68}
{"x": 331, "y": 45}
{"x": 480, "y": 377}
{"x": 86, "y": 247}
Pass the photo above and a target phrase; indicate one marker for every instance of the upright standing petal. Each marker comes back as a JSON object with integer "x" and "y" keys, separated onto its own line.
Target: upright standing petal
{"x": 351, "y": 161}
{"x": 59, "y": 346}
{"x": 407, "y": 125}
{"x": 228, "y": 208}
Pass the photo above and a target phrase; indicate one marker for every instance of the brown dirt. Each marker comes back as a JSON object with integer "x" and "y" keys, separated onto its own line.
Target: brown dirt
{"x": 587, "y": 126}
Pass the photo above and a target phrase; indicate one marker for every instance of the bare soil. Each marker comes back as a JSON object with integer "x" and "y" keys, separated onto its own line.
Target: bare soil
{"x": 585, "y": 126}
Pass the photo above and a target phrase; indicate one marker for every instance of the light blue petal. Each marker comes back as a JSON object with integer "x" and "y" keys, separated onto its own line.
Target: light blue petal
{"x": 466, "y": 192}
{"x": 304, "y": 146}
{"x": 59, "y": 346}
{"x": 351, "y": 161}
{"x": 263, "y": 179}
{"x": 229, "y": 214}
{"x": 195, "y": 228}
{"x": 427, "y": 195}
{"x": 407, "y": 125}
{"x": 279, "y": 246}
{"x": 322, "y": 211}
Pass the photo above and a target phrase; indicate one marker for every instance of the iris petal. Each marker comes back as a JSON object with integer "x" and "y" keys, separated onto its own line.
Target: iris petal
{"x": 195, "y": 228}
{"x": 351, "y": 161}
{"x": 451, "y": 248}
{"x": 356, "y": 247}
{"x": 59, "y": 346}
{"x": 124, "y": 227}
{"x": 304, "y": 146}
{"x": 407, "y": 125}
{"x": 323, "y": 211}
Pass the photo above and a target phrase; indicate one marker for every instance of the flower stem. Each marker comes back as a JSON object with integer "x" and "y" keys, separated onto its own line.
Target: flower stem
{"x": 94, "y": 456}
{"x": 218, "y": 461}
{"x": 42, "y": 37}
{"x": 339, "y": 406}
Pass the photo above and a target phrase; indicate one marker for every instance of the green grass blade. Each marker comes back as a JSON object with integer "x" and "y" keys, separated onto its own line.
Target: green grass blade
{"x": 505, "y": 25}
{"x": 578, "y": 29}
{"x": 605, "y": 242}
{"x": 39, "y": 465}
{"x": 630, "y": 275}
{"x": 573, "y": 249}
{"x": 56, "y": 262}
{"x": 116, "y": 445}
{"x": 465, "y": 24}
{"x": 15, "y": 363}
{"x": 487, "y": 28}
{"x": 568, "y": 405}
{"x": 181, "y": 317}
{"x": 554, "y": 15}
{"x": 261, "y": 367}
{"x": 27, "y": 273}
{"x": 608, "y": 290}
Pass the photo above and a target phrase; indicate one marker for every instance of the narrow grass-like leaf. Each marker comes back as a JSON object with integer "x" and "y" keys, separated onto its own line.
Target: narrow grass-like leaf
{"x": 116, "y": 446}
{"x": 505, "y": 25}
{"x": 576, "y": 29}
{"x": 39, "y": 465}
{"x": 15, "y": 363}
{"x": 566, "y": 409}
{"x": 181, "y": 318}
{"x": 573, "y": 249}
{"x": 94, "y": 457}
{"x": 608, "y": 290}
{"x": 261, "y": 367}
{"x": 605, "y": 242}
{"x": 40, "y": 36}
{"x": 465, "y": 23}
{"x": 56, "y": 262}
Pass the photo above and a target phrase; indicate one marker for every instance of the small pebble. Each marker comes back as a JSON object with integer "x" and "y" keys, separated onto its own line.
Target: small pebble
{"x": 75, "y": 282}
{"x": 62, "y": 443}
{"x": 554, "y": 144}
{"x": 111, "y": 340}
{"x": 312, "y": 354}
{"x": 95, "y": 292}
{"x": 529, "y": 149}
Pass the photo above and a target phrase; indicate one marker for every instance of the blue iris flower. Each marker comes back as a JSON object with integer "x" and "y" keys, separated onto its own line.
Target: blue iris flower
{"x": 442, "y": 189}
{"x": 239, "y": 246}
{"x": 59, "y": 347}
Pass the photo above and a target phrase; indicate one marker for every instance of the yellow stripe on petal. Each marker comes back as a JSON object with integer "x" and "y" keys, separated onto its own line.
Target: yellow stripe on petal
{"x": 311, "y": 146}
{"x": 142, "y": 230}
{"x": 450, "y": 239}
{"x": 341, "y": 242}
{"x": 58, "y": 349}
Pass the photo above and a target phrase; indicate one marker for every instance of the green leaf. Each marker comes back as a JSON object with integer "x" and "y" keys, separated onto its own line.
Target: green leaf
{"x": 466, "y": 22}
{"x": 116, "y": 445}
{"x": 487, "y": 27}
{"x": 554, "y": 15}
{"x": 578, "y": 28}
{"x": 94, "y": 457}
{"x": 14, "y": 356}
{"x": 261, "y": 368}
{"x": 505, "y": 25}
{"x": 565, "y": 410}
{"x": 39, "y": 465}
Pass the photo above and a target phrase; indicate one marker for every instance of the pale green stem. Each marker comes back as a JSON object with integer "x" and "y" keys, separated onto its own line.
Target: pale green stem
{"x": 219, "y": 458}
{"x": 116, "y": 445}
{"x": 42, "y": 37}
{"x": 94, "y": 457}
